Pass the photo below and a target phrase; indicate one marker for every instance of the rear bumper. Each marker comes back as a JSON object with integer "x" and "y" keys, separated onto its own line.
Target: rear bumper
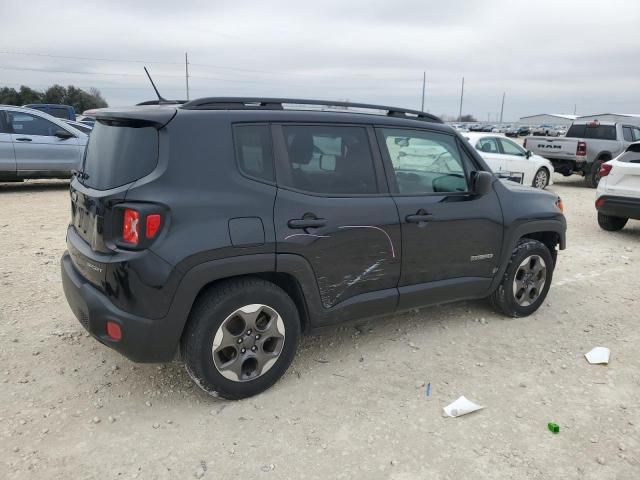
{"x": 143, "y": 339}
{"x": 624, "y": 207}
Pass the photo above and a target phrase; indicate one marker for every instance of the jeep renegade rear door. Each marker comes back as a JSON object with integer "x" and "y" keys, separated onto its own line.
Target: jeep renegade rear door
{"x": 333, "y": 210}
{"x": 451, "y": 238}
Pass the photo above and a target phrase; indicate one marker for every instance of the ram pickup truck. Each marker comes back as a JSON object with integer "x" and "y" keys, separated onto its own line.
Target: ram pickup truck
{"x": 585, "y": 147}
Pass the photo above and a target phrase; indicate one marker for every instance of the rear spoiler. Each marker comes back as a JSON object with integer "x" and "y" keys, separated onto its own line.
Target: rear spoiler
{"x": 152, "y": 116}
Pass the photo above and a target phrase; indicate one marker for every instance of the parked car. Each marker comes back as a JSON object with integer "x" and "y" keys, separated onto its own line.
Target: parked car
{"x": 561, "y": 130}
{"x": 459, "y": 127}
{"x": 66, "y": 112}
{"x": 509, "y": 160}
{"x": 585, "y": 147}
{"x": 89, "y": 116}
{"x": 618, "y": 192}
{"x": 512, "y": 131}
{"x": 476, "y": 127}
{"x": 487, "y": 128}
{"x": 34, "y": 144}
{"x": 291, "y": 220}
{"x": 83, "y": 127}
{"x": 545, "y": 130}
{"x": 524, "y": 130}
{"x": 500, "y": 128}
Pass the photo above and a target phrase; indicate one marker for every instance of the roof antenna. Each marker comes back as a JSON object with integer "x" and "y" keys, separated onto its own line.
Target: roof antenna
{"x": 160, "y": 99}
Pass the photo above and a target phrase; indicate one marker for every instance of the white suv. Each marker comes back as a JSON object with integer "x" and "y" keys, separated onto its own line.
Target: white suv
{"x": 618, "y": 193}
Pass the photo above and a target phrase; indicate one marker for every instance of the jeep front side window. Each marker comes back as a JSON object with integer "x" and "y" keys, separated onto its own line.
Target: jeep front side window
{"x": 425, "y": 162}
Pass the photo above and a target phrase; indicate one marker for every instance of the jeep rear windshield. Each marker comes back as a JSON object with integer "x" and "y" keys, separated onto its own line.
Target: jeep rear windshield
{"x": 119, "y": 153}
{"x": 599, "y": 132}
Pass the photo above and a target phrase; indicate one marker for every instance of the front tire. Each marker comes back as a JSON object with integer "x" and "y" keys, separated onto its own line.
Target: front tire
{"x": 610, "y": 223}
{"x": 541, "y": 179}
{"x": 526, "y": 281}
{"x": 240, "y": 338}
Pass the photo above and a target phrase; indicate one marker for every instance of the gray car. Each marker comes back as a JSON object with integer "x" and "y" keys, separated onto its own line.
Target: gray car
{"x": 34, "y": 144}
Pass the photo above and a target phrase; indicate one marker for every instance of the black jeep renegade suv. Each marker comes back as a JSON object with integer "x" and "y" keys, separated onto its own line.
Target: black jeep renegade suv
{"x": 222, "y": 228}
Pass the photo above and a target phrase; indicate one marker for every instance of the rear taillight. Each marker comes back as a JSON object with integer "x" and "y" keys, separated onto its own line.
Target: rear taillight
{"x": 605, "y": 169}
{"x": 139, "y": 224}
{"x": 130, "y": 226}
{"x": 581, "y": 149}
{"x": 153, "y": 225}
{"x": 600, "y": 202}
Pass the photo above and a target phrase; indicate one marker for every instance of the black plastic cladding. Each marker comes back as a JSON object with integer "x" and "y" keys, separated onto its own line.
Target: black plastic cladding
{"x": 198, "y": 180}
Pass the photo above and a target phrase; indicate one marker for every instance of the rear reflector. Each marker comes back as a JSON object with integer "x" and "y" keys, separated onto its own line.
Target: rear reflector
{"x": 153, "y": 225}
{"x": 114, "y": 331}
{"x": 605, "y": 169}
{"x": 130, "y": 226}
{"x": 600, "y": 202}
{"x": 581, "y": 149}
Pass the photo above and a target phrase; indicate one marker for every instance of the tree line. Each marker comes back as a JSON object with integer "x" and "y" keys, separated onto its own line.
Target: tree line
{"x": 79, "y": 99}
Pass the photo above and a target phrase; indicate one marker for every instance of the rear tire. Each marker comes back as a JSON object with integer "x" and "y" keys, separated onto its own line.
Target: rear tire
{"x": 526, "y": 281}
{"x": 610, "y": 223}
{"x": 593, "y": 177}
{"x": 250, "y": 352}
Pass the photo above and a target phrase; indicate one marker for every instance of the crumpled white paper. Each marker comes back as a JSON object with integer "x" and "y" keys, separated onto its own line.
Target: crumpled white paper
{"x": 598, "y": 355}
{"x": 461, "y": 406}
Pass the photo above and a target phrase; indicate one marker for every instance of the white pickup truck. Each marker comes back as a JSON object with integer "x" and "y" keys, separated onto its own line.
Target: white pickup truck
{"x": 585, "y": 147}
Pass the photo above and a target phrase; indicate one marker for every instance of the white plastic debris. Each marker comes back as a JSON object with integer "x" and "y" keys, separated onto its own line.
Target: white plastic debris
{"x": 598, "y": 355}
{"x": 461, "y": 406}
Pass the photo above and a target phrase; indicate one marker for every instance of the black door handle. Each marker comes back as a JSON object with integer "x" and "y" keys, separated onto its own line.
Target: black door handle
{"x": 22, "y": 139}
{"x": 307, "y": 223}
{"x": 420, "y": 216}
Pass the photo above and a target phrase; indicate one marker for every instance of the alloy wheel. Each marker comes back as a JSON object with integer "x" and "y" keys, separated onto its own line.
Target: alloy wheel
{"x": 541, "y": 179}
{"x": 248, "y": 342}
{"x": 529, "y": 280}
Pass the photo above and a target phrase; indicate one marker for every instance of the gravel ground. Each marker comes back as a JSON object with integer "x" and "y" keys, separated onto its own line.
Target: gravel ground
{"x": 353, "y": 404}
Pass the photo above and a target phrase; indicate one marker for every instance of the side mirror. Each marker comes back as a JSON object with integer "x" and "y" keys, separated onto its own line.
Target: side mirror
{"x": 63, "y": 134}
{"x": 528, "y": 154}
{"x": 482, "y": 183}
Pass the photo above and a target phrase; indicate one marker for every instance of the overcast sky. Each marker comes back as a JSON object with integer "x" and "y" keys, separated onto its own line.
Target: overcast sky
{"x": 546, "y": 55}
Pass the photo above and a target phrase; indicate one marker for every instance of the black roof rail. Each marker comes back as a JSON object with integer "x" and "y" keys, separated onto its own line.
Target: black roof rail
{"x": 258, "y": 103}
{"x": 162, "y": 102}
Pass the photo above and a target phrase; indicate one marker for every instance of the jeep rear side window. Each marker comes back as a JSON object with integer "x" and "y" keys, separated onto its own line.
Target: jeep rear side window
{"x": 627, "y": 133}
{"x": 331, "y": 160}
{"x": 254, "y": 151}
{"x": 425, "y": 162}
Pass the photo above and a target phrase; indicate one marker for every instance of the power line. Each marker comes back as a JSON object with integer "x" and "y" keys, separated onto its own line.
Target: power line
{"x": 205, "y": 65}
{"x": 201, "y": 77}
{"x": 97, "y": 59}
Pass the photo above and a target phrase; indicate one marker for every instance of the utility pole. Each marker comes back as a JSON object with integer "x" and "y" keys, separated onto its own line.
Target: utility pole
{"x": 461, "y": 96}
{"x": 575, "y": 106}
{"x": 186, "y": 72}
{"x": 502, "y": 107}
{"x": 424, "y": 82}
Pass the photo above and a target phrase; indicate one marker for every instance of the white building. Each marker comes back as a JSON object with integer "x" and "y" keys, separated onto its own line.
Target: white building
{"x": 628, "y": 118}
{"x": 548, "y": 119}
